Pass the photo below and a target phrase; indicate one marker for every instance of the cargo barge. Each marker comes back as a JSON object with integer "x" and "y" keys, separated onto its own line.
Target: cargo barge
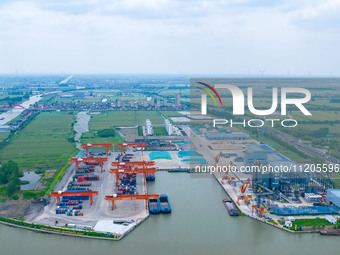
{"x": 179, "y": 170}
{"x": 330, "y": 233}
{"x": 150, "y": 177}
{"x": 154, "y": 206}
{"x": 230, "y": 207}
{"x": 165, "y": 204}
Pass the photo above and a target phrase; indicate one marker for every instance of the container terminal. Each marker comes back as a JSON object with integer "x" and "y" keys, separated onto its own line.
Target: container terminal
{"x": 106, "y": 190}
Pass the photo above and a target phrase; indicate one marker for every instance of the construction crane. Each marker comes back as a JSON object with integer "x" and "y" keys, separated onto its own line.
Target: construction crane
{"x": 96, "y": 145}
{"x": 230, "y": 179}
{"x": 231, "y": 164}
{"x": 85, "y": 193}
{"x": 123, "y": 145}
{"x": 245, "y": 185}
{"x": 78, "y": 161}
{"x": 243, "y": 189}
{"x": 248, "y": 198}
{"x": 260, "y": 210}
{"x": 145, "y": 197}
{"x": 217, "y": 158}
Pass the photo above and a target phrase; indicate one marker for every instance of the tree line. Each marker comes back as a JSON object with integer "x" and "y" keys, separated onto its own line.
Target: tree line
{"x": 9, "y": 174}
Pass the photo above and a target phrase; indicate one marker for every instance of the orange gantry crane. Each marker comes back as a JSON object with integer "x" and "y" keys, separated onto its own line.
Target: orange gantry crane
{"x": 243, "y": 189}
{"x": 78, "y": 161}
{"x": 60, "y": 194}
{"x": 217, "y": 158}
{"x": 131, "y": 197}
{"x": 143, "y": 171}
{"x": 122, "y": 145}
{"x": 231, "y": 164}
{"x": 260, "y": 210}
{"x": 133, "y": 164}
{"x": 97, "y": 145}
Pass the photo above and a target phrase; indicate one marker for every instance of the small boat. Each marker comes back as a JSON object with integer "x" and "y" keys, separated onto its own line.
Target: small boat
{"x": 150, "y": 177}
{"x": 179, "y": 170}
{"x": 165, "y": 204}
{"x": 230, "y": 207}
{"x": 154, "y": 206}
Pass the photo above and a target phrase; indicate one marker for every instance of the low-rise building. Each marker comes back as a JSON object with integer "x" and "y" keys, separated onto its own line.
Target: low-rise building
{"x": 149, "y": 128}
{"x": 312, "y": 198}
{"x": 168, "y": 126}
{"x": 5, "y": 128}
{"x": 333, "y": 197}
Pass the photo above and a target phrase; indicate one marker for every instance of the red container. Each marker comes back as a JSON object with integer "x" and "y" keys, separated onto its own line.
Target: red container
{"x": 81, "y": 178}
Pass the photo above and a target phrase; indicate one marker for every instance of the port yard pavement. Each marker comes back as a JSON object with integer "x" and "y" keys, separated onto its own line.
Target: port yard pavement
{"x": 209, "y": 155}
{"x": 106, "y": 226}
{"x": 201, "y": 145}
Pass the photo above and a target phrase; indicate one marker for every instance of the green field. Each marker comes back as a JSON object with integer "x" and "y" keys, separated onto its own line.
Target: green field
{"x": 320, "y": 116}
{"x": 160, "y": 131}
{"x": 283, "y": 150}
{"x": 92, "y": 137}
{"x": 172, "y": 92}
{"x": 311, "y": 222}
{"x": 112, "y": 119}
{"x": 333, "y": 129}
{"x": 168, "y": 114}
{"x": 43, "y": 144}
{"x": 3, "y": 135}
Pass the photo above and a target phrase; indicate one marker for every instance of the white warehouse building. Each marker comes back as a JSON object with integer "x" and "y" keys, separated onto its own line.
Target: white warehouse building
{"x": 168, "y": 126}
{"x": 149, "y": 128}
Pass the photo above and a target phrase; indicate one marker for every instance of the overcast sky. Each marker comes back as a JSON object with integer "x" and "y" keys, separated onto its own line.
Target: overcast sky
{"x": 238, "y": 37}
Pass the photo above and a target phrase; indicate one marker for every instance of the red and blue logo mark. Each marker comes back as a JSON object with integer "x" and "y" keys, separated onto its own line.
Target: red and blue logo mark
{"x": 209, "y": 93}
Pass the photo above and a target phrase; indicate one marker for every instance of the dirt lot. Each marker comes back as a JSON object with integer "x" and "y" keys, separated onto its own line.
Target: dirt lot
{"x": 14, "y": 208}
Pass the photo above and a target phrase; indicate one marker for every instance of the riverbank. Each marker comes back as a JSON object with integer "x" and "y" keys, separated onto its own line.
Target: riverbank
{"x": 57, "y": 230}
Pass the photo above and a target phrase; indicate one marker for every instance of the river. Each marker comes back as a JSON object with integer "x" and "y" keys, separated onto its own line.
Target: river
{"x": 81, "y": 126}
{"x": 199, "y": 224}
{"x": 14, "y": 112}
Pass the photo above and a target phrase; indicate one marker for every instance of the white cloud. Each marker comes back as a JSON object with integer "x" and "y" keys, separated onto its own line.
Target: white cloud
{"x": 164, "y": 36}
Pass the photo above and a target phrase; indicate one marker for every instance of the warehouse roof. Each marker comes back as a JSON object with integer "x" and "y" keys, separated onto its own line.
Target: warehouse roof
{"x": 260, "y": 147}
{"x": 335, "y": 192}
